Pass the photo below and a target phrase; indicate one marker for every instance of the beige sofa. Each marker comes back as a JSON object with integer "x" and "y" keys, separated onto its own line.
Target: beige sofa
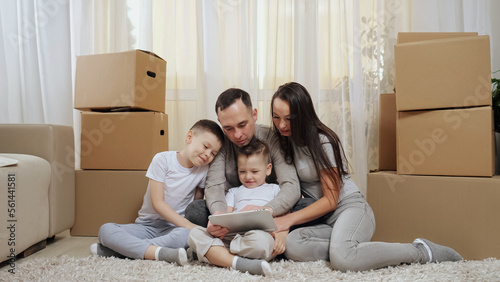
{"x": 37, "y": 195}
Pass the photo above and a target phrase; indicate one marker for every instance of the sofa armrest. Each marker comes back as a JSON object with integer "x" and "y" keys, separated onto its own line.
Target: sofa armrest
{"x": 54, "y": 143}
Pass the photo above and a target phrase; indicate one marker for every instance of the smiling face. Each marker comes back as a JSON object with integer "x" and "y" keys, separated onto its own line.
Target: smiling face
{"x": 238, "y": 122}
{"x": 252, "y": 170}
{"x": 281, "y": 116}
{"x": 202, "y": 147}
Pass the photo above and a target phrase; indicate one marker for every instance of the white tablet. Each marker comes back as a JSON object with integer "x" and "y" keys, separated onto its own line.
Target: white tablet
{"x": 244, "y": 221}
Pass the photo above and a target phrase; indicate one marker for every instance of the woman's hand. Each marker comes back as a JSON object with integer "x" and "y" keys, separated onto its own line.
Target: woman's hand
{"x": 283, "y": 223}
{"x": 279, "y": 242}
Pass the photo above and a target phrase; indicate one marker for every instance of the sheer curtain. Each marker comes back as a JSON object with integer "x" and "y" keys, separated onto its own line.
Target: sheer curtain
{"x": 257, "y": 46}
{"x": 341, "y": 50}
{"x": 35, "y": 73}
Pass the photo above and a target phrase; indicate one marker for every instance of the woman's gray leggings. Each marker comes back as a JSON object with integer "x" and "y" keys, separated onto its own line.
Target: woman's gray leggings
{"x": 344, "y": 240}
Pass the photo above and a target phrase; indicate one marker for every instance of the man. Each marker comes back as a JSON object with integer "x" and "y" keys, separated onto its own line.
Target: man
{"x": 238, "y": 119}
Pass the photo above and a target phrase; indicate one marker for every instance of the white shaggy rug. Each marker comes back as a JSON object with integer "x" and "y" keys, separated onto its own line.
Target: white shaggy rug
{"x": 112, "y": 269}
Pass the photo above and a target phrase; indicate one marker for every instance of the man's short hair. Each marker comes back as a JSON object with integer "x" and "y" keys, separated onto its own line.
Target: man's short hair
{"x": 228, "y": 97}
{"x": 206, "y": 125}
{"x": 254, "y": 148}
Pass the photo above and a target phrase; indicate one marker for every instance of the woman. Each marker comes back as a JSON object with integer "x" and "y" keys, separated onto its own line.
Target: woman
{"x": 348, "y": 221}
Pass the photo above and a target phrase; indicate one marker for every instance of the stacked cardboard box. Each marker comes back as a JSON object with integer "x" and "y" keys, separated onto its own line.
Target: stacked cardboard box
{"x": 460, "y": 212}
{"x": 123, "y": 125}
{"x": 442, "y": 122}
{"x": 443, "y": 99}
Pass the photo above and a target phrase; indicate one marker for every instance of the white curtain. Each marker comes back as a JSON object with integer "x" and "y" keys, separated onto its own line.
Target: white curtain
{"x": 341, "y": 50}
{"x": 35, "y": 69}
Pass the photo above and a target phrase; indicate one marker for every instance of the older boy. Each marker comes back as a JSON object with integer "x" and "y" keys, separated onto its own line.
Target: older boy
{"x": 175, "y": 179}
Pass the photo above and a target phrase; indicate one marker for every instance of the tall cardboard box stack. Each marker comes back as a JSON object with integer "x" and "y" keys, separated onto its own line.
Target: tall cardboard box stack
{"x": 443, "y": 188}
{"x": 123, "y": 125}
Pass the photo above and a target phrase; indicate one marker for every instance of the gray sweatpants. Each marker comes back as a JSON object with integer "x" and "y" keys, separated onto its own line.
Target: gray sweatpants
{"x": 254, "y": 244}
{"x": 132, "y": 240}
{"x": 344, "y": 239}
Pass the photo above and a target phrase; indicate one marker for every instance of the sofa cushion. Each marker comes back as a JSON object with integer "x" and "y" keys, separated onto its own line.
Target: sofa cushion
{"x": 24, "y": 203}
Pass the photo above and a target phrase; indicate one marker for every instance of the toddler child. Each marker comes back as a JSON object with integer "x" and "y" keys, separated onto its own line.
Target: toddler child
{"x": 175, "y": 179}
{"x": 249, "y": 251}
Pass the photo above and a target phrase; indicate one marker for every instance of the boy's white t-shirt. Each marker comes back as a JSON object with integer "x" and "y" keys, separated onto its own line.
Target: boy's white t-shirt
{"x": 179, "y": 184}
{"x": 241, "y": 196}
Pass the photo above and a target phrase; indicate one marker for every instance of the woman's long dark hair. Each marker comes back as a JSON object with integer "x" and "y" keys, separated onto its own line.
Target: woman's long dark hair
{"x": 306, "y": 128}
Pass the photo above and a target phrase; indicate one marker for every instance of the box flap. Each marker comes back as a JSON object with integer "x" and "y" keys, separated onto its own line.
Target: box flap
{"x": 406, "y": 37}
{"x": 151, "y": 53}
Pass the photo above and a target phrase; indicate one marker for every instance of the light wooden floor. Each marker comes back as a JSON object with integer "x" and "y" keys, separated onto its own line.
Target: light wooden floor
{"x": 62, "y": 244}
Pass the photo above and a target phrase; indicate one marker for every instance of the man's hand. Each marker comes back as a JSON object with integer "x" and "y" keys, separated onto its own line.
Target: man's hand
{"x": 254, "y": 207}
{"x": 217, "y": 230}
{"x": 279, "y": 242}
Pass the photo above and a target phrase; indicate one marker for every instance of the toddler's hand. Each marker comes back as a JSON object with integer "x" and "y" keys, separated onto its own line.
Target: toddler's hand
{"x": 254, "y": 207}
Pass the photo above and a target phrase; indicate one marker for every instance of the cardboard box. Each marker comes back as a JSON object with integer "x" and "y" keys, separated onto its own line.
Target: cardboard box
{"x": 387, "y": 132}
{"x": 459, "y": 212}
{"x": 446, "y": 142}
{"x": 125, "y": 140}
{"x": 104, "y": 196}
{"x": 133, "y": 79}
{"x": 407, "y": 37}
{"x": 444, "y": 73}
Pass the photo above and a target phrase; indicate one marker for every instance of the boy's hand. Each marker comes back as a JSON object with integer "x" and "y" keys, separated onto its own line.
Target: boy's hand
{"x": 279, "y": 242}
